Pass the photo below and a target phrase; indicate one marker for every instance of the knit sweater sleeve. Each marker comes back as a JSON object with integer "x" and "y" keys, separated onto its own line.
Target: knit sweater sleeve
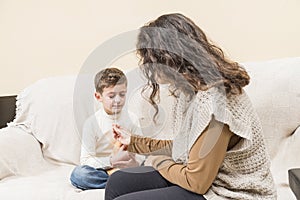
{"x": 144, "y": 145}
{"x": 203, "y": 163}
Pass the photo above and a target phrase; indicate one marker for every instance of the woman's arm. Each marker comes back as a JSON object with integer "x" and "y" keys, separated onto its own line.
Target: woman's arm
{"x": 141, "y": 145}
{"x": 144, "y": 145}
{"x": 202, "y": 168}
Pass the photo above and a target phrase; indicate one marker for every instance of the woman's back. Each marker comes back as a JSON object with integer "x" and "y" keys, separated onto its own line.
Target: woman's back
{"x": 245, "y": 172}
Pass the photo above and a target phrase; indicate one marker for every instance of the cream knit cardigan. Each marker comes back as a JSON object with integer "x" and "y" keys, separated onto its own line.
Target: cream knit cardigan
{"x": 245, "y": 172}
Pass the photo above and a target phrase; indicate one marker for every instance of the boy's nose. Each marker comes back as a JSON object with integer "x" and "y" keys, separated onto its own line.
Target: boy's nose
{"x": 117, "y": 99}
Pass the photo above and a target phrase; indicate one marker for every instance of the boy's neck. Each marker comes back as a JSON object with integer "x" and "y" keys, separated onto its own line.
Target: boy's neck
{"x": 113, "y": 115}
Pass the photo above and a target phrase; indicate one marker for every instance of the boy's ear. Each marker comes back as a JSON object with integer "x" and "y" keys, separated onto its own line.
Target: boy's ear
{"x": 98, "y": 96}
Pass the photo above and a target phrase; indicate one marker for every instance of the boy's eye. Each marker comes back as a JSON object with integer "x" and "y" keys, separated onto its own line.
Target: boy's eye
{"x": 111, "y": 96}
{"x": 123, "y": 94}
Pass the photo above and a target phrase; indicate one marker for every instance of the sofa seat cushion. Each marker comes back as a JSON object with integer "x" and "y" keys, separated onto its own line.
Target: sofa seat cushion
{"x": 20, "y": 154}
{"x": 49, "y": 185}
{"x": 286, "y": 159}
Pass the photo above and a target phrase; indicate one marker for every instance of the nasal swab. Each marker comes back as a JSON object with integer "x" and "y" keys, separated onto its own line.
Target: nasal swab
{"x": 115, "y": 116}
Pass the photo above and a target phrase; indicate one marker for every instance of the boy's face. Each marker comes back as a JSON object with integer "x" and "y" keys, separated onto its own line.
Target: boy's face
{"x": 113, "y": 98}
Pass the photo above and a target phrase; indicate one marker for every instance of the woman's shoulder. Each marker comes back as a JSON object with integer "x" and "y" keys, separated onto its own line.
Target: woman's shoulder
{"x": 219, "y": 97}
{"x": 236, "y": 110}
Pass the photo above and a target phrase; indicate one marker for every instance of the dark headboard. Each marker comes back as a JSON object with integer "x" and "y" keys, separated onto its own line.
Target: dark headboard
{"x": 7, "y": 109}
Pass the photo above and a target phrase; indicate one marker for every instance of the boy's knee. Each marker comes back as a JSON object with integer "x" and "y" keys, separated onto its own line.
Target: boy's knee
{"x": 79, "y": 176}
{"x": 79, "y": 172}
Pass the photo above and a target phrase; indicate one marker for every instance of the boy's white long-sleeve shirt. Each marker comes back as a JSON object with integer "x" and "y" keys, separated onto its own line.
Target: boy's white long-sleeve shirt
{"x": 97, "y": 137}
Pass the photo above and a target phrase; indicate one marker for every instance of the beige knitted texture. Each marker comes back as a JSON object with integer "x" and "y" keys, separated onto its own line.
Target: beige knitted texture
{"x": 245, "y": 172}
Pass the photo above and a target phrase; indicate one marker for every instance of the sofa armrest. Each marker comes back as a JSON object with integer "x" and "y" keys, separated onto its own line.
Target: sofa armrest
{"x": 7, "y": 109}
{"x": 20, "y": 153}
{"x": 294, "y": 181}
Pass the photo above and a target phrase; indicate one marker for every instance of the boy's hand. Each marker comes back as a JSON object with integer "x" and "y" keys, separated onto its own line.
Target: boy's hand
{"x": 126, "y": 164}
{"x": 123, "y": 159}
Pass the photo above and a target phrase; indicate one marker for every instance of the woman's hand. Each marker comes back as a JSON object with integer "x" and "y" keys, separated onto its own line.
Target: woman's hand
{"x": 122, "y": 135}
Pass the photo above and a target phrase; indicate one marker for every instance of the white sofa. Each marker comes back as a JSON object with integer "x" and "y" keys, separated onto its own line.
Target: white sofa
{"x": 39, "y": 149}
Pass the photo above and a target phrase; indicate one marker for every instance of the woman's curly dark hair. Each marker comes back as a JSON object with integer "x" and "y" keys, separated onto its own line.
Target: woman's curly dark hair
{"x": 174, "y": 48}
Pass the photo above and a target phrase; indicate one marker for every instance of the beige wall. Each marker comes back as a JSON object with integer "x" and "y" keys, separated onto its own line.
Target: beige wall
{"x": 54, "y": 37}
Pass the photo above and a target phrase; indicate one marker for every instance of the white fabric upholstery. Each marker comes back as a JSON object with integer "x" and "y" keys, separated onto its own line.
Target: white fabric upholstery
{"x": 52, "y": 112}
{"x": 20, "y": 154}
{"x": 275, "y": 93}
{"x": 286, "y": 158}
{"x": 47, "y": 185}
{"x": 45, "y": 109}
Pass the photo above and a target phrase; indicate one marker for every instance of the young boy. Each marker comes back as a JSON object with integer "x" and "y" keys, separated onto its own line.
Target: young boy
{"x": 100, "y": 154}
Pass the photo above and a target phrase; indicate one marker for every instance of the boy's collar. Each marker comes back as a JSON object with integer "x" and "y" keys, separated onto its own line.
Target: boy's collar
{"x": 112, "y": 117}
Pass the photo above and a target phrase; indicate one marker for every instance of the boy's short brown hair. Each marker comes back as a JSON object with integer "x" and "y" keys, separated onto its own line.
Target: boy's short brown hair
{"x": 109, "y": 77}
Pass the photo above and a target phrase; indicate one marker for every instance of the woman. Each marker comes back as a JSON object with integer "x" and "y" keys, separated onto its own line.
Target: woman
{"x": 218, "y": 151}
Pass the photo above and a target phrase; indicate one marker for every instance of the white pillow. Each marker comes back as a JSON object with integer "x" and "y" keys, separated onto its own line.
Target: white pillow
{"x": 20, "y": 153}
{"x": 45, "y": 109}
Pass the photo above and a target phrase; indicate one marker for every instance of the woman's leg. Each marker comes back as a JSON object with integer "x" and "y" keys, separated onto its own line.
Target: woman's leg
{"x": 167, "y": 193}
{"x": 86, "y": 177}
{"x": 143, "y": 183}
{"x": 133, "y": 179}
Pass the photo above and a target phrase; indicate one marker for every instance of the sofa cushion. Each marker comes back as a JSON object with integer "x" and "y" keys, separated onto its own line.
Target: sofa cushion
{"x": 285, "y": 159}
{"x": 275, "y": 93}
{"x": 20, "y": 154}
{"x": 45, "y": 110}
{"x": 47, "y": 185}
